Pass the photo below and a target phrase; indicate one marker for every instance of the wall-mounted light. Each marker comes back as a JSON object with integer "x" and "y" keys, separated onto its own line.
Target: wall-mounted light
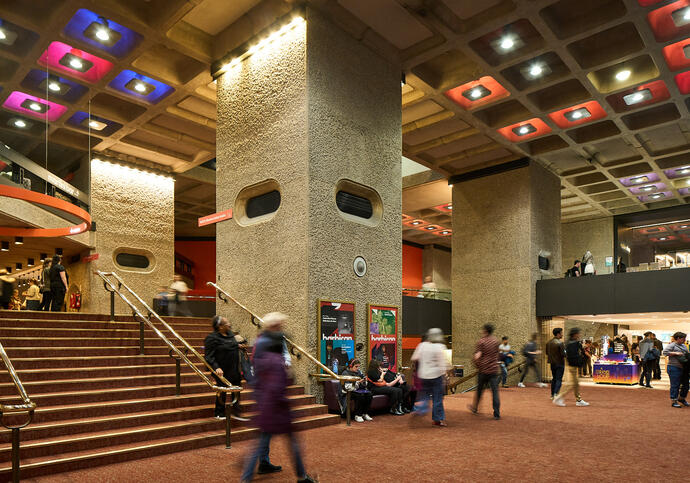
{"x": 268, "y": 36}
{"x": 18, "y": 240}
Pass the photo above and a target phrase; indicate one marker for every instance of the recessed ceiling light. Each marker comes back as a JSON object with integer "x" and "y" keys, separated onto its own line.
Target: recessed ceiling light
{"x": 94, "y": 124}
{"x": 639, "y": 179}
{"x": 3, "y": 35}
{"x": 623, "y": 75}
{"x": 648, "y": 188}
{"x": 140, "y": 87}
{"x": 524, "y": 130}
{"x": 74, "y": 62}
{"x": 20, "y": 123}
{"x": 445, "y": 232}
{"x": 35, "y": 106}
{"x": 450, "y": 206}
{"x": 681, "y": 16}
{"x": 416, "y": 223}
{"x": 684, "y": 170}
{"x": 657, "y": 196}
{"x": 577, "y": 114}
{"x": 637, "y": 97}
{"x": 54, "y": 86}
{"x": 430, "y": 228}
{"x": 101, "y": 33}
{"x": 536, "y": 70}
{"x": 662, "y": 238}
{"x": 5, "y": 246}
{"x": 477, "y": 92}
{"x": 18, "y": 240}
{"x": 7, "y": 37}
{"x": 507, "y": 43}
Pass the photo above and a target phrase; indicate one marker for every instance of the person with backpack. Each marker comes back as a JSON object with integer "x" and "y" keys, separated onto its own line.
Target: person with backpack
{"x": 574, "y": 356}
{"x": 531, "y": 351}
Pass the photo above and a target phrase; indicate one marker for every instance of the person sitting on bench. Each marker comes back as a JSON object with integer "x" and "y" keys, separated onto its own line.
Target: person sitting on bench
{"x": 377, "y": 385}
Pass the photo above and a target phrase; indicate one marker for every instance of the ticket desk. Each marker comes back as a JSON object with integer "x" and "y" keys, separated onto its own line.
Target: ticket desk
{"x": 616, "y": 369}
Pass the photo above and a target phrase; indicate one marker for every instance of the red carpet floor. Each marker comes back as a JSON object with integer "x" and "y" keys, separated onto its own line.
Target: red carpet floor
{"x": 625, "y": 435}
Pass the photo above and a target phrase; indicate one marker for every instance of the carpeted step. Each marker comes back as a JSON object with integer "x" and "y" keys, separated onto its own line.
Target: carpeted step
{"x": 55, "y": 464}
{"x": 39, "y": 325}
{"x": 22, "y": 352}
{"x": 92, "y": 361}
{"x": 30, "y": 375}
{"x": 30, "y": 314}
{"x": 106, "y": 340}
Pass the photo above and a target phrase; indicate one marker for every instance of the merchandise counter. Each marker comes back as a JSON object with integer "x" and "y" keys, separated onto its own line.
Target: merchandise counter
{"x": 616, "y": 369}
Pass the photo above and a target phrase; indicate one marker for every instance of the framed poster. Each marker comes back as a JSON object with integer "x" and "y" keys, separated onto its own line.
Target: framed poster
{"x": 383, "y": 335}
{"x": 336, "y": 334}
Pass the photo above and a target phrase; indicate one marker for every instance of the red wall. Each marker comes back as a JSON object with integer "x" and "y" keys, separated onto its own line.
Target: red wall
{"x": 203, "y": 254}
{"x": 411, "y": 266}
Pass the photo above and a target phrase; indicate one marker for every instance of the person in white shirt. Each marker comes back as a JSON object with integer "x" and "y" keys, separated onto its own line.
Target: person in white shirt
{"x": 178, "y": 305}
{"x": 432, "y": 365}
{"x": 429, "y": 289}
{"x": 505, "y": 357}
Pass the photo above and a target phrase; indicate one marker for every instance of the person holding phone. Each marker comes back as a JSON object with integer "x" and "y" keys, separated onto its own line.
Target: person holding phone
{"x": 358, "y": 392}
{"x": 378, "y": 385}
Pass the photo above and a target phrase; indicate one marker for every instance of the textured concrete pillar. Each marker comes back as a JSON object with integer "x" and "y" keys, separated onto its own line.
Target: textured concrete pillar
{"x": 500, "y": 223}
{"x": 437, "y": 262}
{"x": 134, "y": 213}
{"x": 314, "y": 109}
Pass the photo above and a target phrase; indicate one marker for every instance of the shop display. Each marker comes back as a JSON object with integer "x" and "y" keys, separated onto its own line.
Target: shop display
{"x": 616, "y": 369}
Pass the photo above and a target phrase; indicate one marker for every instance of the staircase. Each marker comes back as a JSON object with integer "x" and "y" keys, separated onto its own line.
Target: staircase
{"x": 100, "y": 402}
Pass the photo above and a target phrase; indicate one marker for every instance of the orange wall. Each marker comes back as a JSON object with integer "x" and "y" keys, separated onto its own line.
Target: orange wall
{"x": 411, "y": 266}
{"x": 203, "y": 254}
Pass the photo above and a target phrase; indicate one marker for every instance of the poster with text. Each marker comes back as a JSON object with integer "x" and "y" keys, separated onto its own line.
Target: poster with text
{"x": 383, "y": 330}
{"x": 336, "y": 334}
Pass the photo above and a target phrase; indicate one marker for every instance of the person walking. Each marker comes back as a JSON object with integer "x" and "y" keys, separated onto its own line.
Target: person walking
{"x": 648, "y": 357}
{"x": 573, "y": 354}
{"x": 505, "y": 358}
{"x": 486, "y": 360}
{"x": 222, "y": 352}
{"x": 531, "y": 351}
{"x": 273, "y": 406}
{"x": 178, "y": 305}
{"x": 678, "y": 360}
{"x": 58, "y": 284}
{"x": 32, "y": 295}
{"x": 657, "y": 366}
{"x": 432, "y": 365}
{"x": 555, "y": 352}
{"x": 586, "y": 369}
{"x": 45, "y": 288}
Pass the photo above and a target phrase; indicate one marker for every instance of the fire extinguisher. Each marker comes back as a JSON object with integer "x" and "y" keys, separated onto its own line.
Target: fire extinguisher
{"x": 75, "y": 300}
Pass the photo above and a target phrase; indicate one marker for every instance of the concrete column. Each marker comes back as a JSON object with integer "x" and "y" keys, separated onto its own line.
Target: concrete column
{"x": 500, "y": 223}
{"x": 134, "y": 213}
{"x": 593, "y": 235}
{"x": 315, "y": 108}
{"x": 436, "y": 264}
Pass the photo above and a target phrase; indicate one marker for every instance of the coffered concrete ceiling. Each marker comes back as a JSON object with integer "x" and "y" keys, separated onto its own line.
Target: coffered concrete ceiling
{"x": 486, "y": 82}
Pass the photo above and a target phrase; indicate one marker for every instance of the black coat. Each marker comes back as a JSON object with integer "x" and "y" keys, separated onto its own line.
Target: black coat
{"x": 223, "y": 351}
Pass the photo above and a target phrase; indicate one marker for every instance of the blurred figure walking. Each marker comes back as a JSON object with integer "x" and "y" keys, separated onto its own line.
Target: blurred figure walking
{"x": 486, "y": 360}
{"x": 555, "y": 352}
{"x": 531, "y": 351}
{"x": 432, "y": 365}
{"x": 271, "y": 397}
{"x": 574, "y": 356}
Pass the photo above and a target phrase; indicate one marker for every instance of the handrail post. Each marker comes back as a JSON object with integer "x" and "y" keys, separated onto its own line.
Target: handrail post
{"x": 347, "y": 407}
{"x": 15, "y": 455}
{"x": 177, "y": 376}
{"x": 228, "y": 428}
{"x": 112, "y": 306}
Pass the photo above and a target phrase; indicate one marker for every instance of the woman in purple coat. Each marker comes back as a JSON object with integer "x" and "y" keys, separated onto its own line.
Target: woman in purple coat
{"x": 271, "y": 396}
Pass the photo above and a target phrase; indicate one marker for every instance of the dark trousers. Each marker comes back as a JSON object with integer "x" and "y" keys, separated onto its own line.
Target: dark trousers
{"x": 57, "y": 300}
{"x": 394, "y": 393}
{"x": 488, "y": 380}
{"x": 679, "y": 382}
{"x": 45, "y": 302}
{"x": 432, "y": 389}
{"x": 33, "y": 304}
{"x": 657, "y": 369}
{"x": 586, "y": 369}
{"x": 222, "y": 397}
{"x": 408, "y": 396}
{"x": 646, "y": 368}
{"x": 556, "y": 378}
{"x": 362, "y": 402}
{"x": 534, "y": 366}
{"x": 261, "y": 452}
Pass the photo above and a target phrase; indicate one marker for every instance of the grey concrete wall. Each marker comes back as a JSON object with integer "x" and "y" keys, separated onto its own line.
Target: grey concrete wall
{"x": 134, "y": 210}
{"x": 437, "y": 264}
{"x": 499, "y": 225}
{"x": 593, "y": 235}
{"x": 308, "y": 114}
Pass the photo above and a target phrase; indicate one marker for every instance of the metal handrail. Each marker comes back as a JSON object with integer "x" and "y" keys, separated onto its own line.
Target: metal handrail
{"x": 182, "y": 355}
{"x": 257, "y": 321}
{"x": 27, "y": 406}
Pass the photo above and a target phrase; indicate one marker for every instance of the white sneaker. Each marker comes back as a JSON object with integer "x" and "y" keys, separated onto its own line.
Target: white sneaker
{"x": 559, "y": 401}
{"x": 359, "y": 419}
{"x": 581, "y": 403}
{"x": 368, "y": 418}
{"x": 520, "y": 384}
{"x": 541, "y": 384}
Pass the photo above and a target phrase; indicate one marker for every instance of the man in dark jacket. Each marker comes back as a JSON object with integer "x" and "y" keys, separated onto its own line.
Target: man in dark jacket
{"x": 272, "y": 403}
{"x": 555, "y": 352}
{"x": 531, "y": 351}
{"x": 648, "y": 359}
{"x": 574, "y": 356}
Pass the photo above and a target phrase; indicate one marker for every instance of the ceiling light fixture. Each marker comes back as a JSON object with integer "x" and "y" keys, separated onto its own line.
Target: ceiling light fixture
{"x": 662, "y": 238}
{"x": 283, "y": 26}
{"x": 683, "y": 170}
{"x": 18, "y": 240}
{"x": 536, "y": 70}
{"x": 639, "y": 179}
{"x": 681, "y": 16}
{"x": 524, "y": 130}
{"x": 637, "y": 97}
{"x": 35, "y": 106}
{"x": 44, "y": 256}
{"x": 140, "y": 87}
{"x": 20, "y": 123}
{"x": 54, "y": 86}
{"x": 18, "y": 266}
{"x": 93, "y": 124}
{"x": 577, "y": 114}
{"x": 657, "y": 196}
{"x": 75, "y": 62}
{"x": 30, "y": 262}
{"x": 7, "y": 37}
{"x": 102, "y": 33}
{"x": 623, "y": 75}
{"x": 475, "y": 93}
{"x": 507, "y": 43}
{"x": 3, "y": 35}
{"x": 5, "y": 246}
{"x": 648, "y": 188}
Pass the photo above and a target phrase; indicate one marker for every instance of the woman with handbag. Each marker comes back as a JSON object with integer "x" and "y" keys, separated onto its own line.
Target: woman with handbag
{"x": 678, "y": 360}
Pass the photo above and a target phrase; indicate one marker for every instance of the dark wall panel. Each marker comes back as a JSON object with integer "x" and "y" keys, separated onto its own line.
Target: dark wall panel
{"x": 420, "y": 314}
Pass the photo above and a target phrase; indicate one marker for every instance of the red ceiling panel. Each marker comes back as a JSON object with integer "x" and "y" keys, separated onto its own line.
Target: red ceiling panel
{"x": 675, "y": 56}
{"x": 595, "y": 112}
{"x": 497, "y": 92}
{"x": 662, "y": 22}
{"x": 683, "y": 82}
